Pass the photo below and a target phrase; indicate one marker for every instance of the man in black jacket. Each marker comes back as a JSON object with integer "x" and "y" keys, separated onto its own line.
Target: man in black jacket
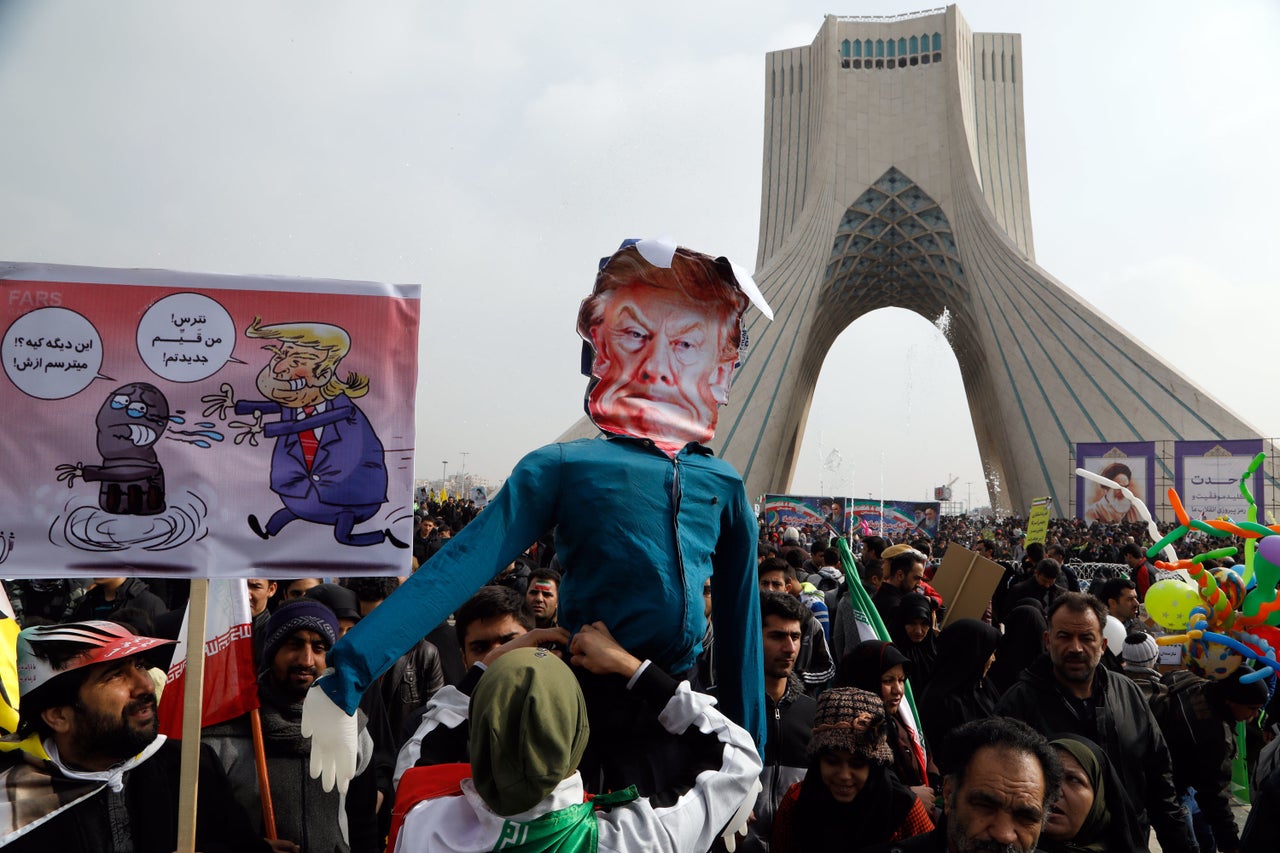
{"x": 108, "y": 595}
{"x": 1068, "y": 691}
{"x": 1044, "y": 586}
{"x": 92, "y": 773}
{"x": 788, "y": 713}
{"x": 904, "y": 574}
{"x": 1001, "y": 777}
{"x": 298, "y": 637}
{"x": 1198, "y": 719}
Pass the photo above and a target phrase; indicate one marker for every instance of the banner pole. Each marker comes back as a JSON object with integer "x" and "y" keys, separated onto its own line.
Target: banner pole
{"x": 192, "y": 713}
{"x": 264, "y": 783}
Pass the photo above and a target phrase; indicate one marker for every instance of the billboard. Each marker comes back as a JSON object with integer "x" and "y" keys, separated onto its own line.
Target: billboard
{"x": 802, "y": 510}
{"x": 1208, "y": 477}
{"x": 895, "y": 520}
{"x": 1129, "y": 463}
{"x": 190, "y": 425}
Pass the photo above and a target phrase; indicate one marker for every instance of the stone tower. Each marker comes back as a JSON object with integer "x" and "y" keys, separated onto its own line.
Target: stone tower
{"x": 895, "y": 175}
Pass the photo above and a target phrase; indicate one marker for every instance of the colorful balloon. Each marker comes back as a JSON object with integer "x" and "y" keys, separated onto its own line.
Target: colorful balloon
{"x": 1232, "y": 586}
{"x": 1227, "y": 616}
{"x": 1211, "y": 660}
{"x": 1169, "y": 603}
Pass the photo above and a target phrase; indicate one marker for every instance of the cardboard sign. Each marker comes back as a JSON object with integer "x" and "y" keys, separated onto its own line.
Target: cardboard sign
{"x": 966, "y": 581}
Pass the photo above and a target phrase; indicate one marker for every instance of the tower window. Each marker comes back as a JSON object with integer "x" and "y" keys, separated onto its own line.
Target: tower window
{"x": 902, "y": 47}
{"x": 844, "y": 48}
{"x": 915, "y": 45}
{"x": 937, "y": 41}
{"x": 893, "y": 47}
{"x": 879, "y": 48}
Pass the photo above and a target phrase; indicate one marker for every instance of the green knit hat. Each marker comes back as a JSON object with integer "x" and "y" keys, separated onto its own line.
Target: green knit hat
{"x": 528, "y": 729}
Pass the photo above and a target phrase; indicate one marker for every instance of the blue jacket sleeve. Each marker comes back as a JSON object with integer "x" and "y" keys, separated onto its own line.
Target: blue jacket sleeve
{"x": 735, "y": 612}
{"x": 521, "y": 512}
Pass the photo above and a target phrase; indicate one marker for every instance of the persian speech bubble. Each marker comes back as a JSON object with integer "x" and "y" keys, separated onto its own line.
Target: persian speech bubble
{"x": 52, "y": 353}
{"x": 186, "y": 337}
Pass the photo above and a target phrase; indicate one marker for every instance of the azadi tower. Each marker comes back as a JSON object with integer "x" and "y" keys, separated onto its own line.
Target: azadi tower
{"x": 895, "y": 175}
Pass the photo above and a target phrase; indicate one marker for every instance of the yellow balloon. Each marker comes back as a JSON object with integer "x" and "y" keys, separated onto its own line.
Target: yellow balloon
{"x": 1169, "y": 603}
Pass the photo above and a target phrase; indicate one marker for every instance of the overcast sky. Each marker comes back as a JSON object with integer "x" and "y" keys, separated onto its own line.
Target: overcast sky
{"x": 492, "y": 152}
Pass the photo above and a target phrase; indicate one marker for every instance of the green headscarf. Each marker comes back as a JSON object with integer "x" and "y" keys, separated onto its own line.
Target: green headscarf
{"x": 1092, "y": 833}
{"x": 528, "y": 729}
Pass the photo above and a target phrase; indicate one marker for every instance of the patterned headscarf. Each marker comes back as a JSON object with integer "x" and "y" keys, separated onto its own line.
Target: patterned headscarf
{"x": 851, "y": 720}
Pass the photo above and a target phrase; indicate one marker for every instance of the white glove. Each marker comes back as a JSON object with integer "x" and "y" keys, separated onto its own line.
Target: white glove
{"x": 333, "y": 734}
{"x": 738, "y": 823}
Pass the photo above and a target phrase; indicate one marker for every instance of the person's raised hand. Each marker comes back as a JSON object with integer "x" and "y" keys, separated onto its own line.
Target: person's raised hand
{"x": 595, "y": 650}
{"x": 552, "y": 639}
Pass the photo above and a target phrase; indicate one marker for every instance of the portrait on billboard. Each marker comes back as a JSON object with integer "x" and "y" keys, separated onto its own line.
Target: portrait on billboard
{"x": 1110, "y": 506}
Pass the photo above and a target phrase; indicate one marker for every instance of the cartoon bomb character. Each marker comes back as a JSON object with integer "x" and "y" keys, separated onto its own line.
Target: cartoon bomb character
{"x": 130, "y": 422}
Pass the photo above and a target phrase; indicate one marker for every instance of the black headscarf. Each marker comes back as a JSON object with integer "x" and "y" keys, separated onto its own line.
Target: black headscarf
{"x": 863, "y": 665}
{"x": 958, "y": 692}
{"x": 822, "y": 824}
{"x": 862, "y": 668}
{"x": 921, "y": 655}
{"x": 1023, "y": 642}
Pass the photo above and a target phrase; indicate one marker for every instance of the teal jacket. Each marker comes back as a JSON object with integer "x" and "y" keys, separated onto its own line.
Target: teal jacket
{"x": 637, "y": 534}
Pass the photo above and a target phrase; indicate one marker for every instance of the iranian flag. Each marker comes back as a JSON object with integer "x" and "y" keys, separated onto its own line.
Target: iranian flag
{"x": 230, "y": 683}
{"x": 871, "y": 627}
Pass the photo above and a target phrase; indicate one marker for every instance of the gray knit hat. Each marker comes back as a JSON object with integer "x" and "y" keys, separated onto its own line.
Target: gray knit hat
{"x": 1140, "y": 649}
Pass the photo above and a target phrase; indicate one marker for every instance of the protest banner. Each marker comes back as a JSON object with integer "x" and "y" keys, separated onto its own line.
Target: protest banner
{"x": 899, "y": 520}
{"x": 805, "y": 510}
{"x": 193, "y": 425}
{"x": 1038, "y": 520}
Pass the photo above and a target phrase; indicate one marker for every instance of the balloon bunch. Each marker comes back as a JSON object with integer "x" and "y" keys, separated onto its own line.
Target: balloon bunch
{"x": 1216, "y": 617}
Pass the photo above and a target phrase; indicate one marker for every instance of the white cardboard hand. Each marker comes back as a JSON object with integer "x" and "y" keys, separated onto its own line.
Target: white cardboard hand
{"x": 333, "y": 736}
{"x": 738, "y": 823}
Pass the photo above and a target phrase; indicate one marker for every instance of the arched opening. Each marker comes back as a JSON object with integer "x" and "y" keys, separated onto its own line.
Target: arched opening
{"x": 890, "y": 403}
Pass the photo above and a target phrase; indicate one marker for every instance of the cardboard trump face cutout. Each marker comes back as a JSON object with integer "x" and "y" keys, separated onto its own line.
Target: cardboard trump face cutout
{"x": 664, "y": 326}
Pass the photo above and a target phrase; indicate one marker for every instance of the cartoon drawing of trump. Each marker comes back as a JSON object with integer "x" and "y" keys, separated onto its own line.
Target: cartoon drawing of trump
{"x": 327, "y": 466}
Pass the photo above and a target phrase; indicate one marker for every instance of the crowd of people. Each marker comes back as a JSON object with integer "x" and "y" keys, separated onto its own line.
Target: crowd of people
{"x": 1023, "y": 727}
{"x": 1085, "y": 542}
